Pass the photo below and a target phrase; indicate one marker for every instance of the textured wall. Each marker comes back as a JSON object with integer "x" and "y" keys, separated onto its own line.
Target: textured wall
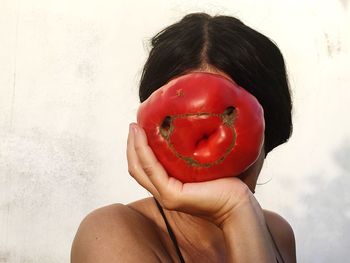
{"x": 68, "y": 89}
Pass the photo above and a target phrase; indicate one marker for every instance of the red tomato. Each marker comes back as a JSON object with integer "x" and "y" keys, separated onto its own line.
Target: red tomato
{"x": 203, "y": 126}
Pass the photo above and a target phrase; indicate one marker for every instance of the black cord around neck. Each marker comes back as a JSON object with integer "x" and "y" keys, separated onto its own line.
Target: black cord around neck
{"x": 171, "y": 233}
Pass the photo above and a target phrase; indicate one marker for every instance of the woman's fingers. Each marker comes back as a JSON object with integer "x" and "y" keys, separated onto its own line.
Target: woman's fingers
{"x": 134, "y": 166}
{"x": 168, "y": 188}
{"x": 210, "y": 200}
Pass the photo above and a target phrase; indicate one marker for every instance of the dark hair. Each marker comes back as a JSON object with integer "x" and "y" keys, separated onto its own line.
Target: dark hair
{"x": 251, "y": 59}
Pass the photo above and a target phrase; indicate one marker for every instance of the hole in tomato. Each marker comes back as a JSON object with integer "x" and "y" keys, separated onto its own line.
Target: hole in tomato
{"x": 229, "y": 110}
{"x": 166, "y": 123}
{"x": 165, "y": 127}
{"x": 229, "y": 115}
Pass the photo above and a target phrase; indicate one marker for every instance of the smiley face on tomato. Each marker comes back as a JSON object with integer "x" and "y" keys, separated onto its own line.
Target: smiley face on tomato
{"x": 203, "y": 126}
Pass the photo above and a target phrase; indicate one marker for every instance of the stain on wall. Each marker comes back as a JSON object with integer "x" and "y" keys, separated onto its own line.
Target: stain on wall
{"x": 344, "y": 3}
{"x": 333, "y": 46}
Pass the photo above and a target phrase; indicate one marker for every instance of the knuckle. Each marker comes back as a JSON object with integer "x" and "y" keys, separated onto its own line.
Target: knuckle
{"x": 132, "y": 171}
{"x": 148, "y": 168}
{"x": 151, "y": 167}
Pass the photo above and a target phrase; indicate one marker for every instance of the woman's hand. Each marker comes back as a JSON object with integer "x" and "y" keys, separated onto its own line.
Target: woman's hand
{"x": 214, "y": 200}
{"x": 227, "y": 202}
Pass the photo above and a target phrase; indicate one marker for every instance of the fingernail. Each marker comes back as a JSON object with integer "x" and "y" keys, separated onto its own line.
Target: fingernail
{"x": 133, "y": 128}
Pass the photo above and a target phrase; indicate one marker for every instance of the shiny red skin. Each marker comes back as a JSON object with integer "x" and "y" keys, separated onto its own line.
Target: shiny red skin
{"x": 197, "y": 133}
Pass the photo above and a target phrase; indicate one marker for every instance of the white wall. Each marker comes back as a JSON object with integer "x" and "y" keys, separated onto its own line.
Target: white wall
{"x": 69, "y": 73}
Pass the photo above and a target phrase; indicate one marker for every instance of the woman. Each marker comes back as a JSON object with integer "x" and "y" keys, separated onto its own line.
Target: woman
{"x": 215, "y": 221}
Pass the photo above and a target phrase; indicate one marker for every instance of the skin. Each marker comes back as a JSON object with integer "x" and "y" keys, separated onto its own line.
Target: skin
{"x": 216, "y": 221}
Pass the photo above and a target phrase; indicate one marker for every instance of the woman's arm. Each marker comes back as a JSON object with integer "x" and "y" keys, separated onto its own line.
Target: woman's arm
{"x": 246, "y": 235}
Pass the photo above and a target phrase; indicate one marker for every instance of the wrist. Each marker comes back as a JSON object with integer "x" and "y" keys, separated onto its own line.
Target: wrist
{"x": 248, "y": 209}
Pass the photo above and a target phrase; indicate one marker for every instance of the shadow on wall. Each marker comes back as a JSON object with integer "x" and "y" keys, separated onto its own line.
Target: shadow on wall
{"x": 325, "y": 227}
{"x": 46, "y": 186}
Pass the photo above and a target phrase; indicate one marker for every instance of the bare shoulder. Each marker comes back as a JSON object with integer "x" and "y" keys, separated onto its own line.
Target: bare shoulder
{"x": 115, "y": 233}
{"x": 283, "y": 234}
